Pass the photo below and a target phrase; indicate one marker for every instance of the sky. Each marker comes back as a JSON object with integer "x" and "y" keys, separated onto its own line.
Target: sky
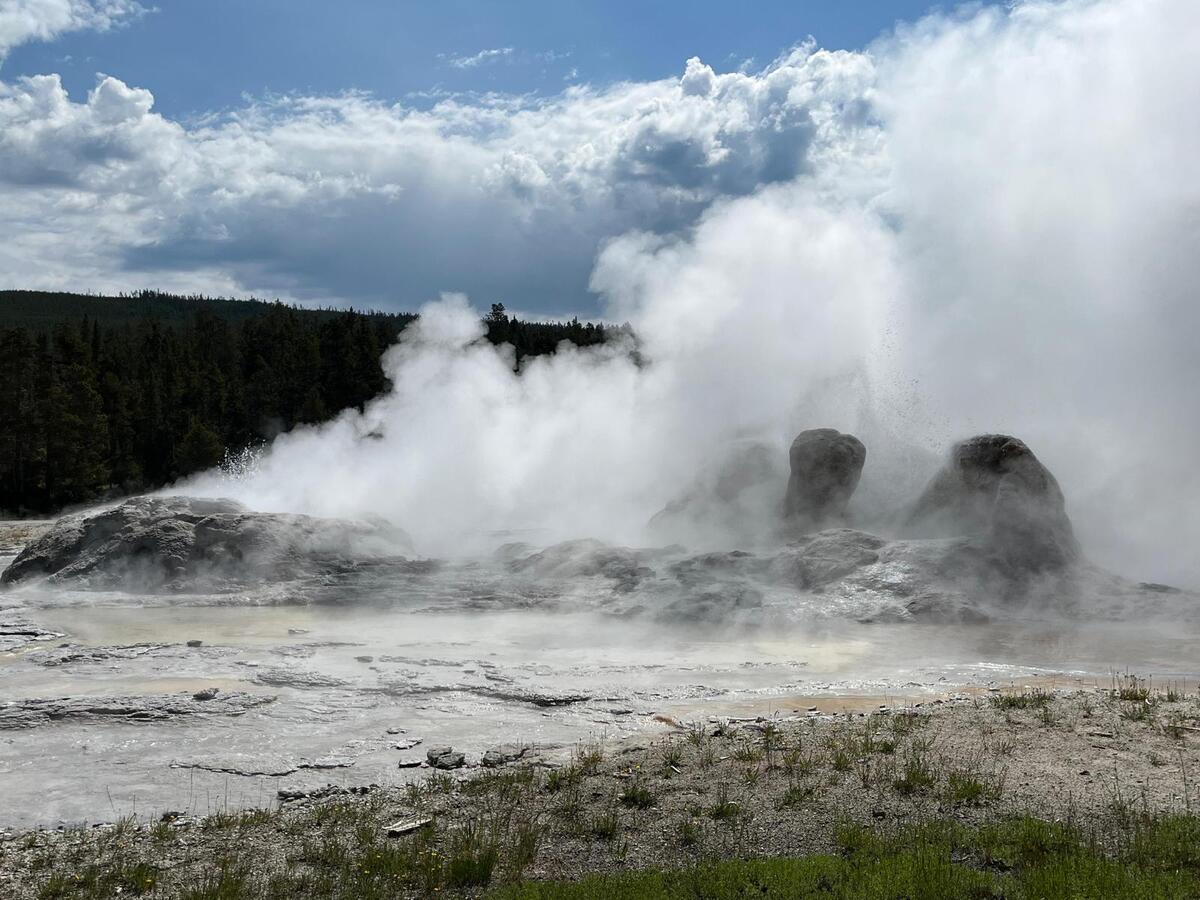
{"x": 198, "y": 57}
{"x": 382, "y": 152}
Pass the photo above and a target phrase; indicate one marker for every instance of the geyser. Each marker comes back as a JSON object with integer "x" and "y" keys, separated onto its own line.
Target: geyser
{"x": 992, "y": 229}
{"x": 993, "y": 487}
{"x": 826, "y": 466}
{"x": 989, "y": 538}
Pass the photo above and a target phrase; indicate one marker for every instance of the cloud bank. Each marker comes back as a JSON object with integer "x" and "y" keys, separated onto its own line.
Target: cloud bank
{"x": 348, "y": 198}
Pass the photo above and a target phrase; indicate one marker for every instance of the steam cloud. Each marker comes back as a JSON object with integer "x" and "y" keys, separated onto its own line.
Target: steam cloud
{"x": 995, "y": 231}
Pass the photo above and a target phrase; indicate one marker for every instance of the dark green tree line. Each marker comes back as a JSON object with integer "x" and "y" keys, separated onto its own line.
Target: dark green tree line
{"x": 103, "y": 405}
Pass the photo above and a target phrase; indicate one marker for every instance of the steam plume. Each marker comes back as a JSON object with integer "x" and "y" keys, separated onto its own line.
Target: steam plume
{"x": 997, "y": 235}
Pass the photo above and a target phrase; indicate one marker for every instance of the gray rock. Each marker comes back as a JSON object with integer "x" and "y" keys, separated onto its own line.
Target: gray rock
{"x": 826, "y": 466}
{"x": 715, "y": 604}
{"x": 445, "y": 758}
{"x": 15, "y": 635}
{"x": 502, "y": 754}
{"x": 584, "y": 558}
{"x": 526, "y": 695}
{"x": 408, "y": 826}
{"x": 825, "y": 557}
{"x": 1155, "y": 588}
{"x": 206, "y": 694}
{"x": 134, "y": 710}
{"x": 297, "y": 678}
{"x": 706, "y": 567}
{"x": 513, "y": 551}
{"x": 73, "y": 654}
{"x": 248, "y": 765}
{"x": 993, "y": 488}
{"x": 328, "y": 762}
{"x": 186, "y": 543}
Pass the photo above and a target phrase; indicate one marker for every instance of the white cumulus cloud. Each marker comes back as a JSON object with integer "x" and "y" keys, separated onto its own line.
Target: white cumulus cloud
{"x": 22, "y": 21}
{"x": 347, "y": 197}
{"x": 482, "y": 58}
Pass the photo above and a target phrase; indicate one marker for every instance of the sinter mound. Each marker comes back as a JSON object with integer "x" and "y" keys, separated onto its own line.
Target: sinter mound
{"x": 150, "y": 543}
{"x": 994, "y": 488}
{"x": 826, "y": 466}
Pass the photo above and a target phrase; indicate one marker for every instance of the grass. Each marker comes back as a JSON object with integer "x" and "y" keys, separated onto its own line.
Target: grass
{"x": 637, "y": 795}
{"x": 1022, "y": 858}
{"x": 915, "y": 774}
{"x": 1131, "y": 688}
{"x": 747, "y": 753}
{"x": 605, "y": 826}
{"x": 723, "y": 808}
{"x": 1031, "y": 699}
{"x": 689, "y": 833}
{"x": 968, "y": 788}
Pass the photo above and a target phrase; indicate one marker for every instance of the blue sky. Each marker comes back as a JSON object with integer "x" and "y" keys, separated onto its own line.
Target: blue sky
{"x": 381, "y": 154}
{"x": 202, "y": 55}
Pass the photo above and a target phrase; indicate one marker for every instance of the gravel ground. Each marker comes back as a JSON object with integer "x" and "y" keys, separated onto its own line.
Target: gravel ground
{"x": 710, "y": 788}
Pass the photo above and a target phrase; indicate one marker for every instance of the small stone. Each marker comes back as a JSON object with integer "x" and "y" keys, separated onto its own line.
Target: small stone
{"x": 505, "y": 753}
{"x": 445, "y": 758}
{"x": 206, "y": 694}
{"x": 195, "y": 643}
{"x": 397, "y": 829}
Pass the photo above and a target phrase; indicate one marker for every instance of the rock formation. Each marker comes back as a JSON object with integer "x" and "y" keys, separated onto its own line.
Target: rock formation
{"x": 584, "y": 558}
{"x": 817, "y": 560}
{"x": 993, "y": 488}
{"x": 185, "y": 543}
{"x": 728, "y": 500}
{"x": 826, "y": 466}
{"x": 34, "y": 712}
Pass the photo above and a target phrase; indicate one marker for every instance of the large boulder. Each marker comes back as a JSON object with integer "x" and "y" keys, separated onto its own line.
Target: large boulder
{"x": 993, "y": 488}
{"x": 826, "y": 466}
{"x": 188, "y": 543}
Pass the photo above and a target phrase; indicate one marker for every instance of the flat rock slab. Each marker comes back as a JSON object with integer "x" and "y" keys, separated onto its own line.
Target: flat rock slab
{"x": 502, "y": 754}
{"x": 297, "y": 678}
{"x": 33, "y": 713}
{"x": 70, "y": 654}
{"x": 271, "y": 766}
{"x": 15, "y": 635}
